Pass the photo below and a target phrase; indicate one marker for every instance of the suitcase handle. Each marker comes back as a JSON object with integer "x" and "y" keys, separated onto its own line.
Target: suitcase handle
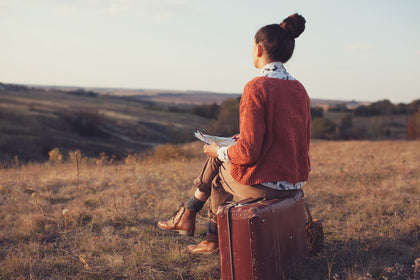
{"x": 250, "y": 200}
{"x": 243, "y": 202}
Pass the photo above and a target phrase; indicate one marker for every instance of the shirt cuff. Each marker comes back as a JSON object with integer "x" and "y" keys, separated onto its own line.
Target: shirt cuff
{"x": 222, "y": 154}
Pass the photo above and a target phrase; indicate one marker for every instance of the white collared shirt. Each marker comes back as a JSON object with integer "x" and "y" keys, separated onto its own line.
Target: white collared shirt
{"x": 275, "y": 70}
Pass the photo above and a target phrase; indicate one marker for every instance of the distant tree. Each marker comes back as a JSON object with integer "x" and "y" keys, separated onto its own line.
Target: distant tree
{"x": 207, "y": 111}
{"x": 344, "y": 129}
{"x": 385, "y": 107}
{"x": 401, "y": 108}
{"x": 227, "y": 121}
{"x": 317, "y": 112}
{"x": 323, "y": 128}
{"x": 347, "y": 121}
{"x": 413, "y": 126}
{"x": 83, "y": 92}
{"x": 413, "y": 107}
{"x": 376, "y": 128}
{"x": 366, "y": 111}
{"x": 338, "y": 108}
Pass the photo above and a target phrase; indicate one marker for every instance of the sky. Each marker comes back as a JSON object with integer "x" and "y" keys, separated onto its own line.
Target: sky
{"x": 364, "y": 50}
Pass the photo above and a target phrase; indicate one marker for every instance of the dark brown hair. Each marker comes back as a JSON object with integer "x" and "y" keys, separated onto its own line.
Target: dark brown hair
{"x": 278, "y": 40}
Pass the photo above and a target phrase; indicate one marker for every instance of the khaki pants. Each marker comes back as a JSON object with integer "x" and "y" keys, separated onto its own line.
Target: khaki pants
{"x": 217, "y": 183}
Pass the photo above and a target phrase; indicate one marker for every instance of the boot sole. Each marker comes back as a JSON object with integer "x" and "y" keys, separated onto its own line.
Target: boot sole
{"x": 215, "y": 251}
{"x": 177, "y": 231}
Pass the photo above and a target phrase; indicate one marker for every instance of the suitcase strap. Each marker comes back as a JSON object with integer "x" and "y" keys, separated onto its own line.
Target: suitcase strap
{"x": 228, "y": 218}
{"x": 310, "y": 220}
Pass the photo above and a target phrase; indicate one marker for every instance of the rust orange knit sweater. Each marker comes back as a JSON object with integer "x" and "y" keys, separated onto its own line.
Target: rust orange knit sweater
{"x": 275, "y": 130}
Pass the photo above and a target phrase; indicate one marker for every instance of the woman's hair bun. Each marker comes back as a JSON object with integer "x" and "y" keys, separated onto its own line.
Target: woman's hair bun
{"x": 293, "y": 25}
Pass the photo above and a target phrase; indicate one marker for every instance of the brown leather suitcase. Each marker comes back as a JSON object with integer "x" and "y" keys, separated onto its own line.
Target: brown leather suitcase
{"x": 262, "y": 240}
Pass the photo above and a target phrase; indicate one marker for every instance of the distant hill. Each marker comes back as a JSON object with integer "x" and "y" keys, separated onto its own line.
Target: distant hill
{"x": 33, "y": 121}
{"x": 191, "y": 96}
{"x": 327, "y": 103}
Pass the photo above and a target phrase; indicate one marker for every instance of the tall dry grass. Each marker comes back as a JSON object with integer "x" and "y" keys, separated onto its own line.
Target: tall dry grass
{"x": 368, "y": 195}
{"x": 85, "y": 218}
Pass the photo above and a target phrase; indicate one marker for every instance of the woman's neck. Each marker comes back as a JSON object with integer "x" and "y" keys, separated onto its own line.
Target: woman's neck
{"x": 263, "y": 61}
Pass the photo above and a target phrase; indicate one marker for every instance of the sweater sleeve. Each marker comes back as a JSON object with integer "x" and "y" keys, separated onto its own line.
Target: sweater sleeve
{"x": 252, "y": 127}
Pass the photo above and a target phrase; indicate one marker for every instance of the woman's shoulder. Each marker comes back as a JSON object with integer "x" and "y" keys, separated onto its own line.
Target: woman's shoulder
{"x": 261, "y": 82}
{"x": 257, "y": 82}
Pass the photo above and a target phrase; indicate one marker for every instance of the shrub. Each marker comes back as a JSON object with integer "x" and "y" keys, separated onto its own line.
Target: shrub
{"x": 83, "y": 92}
{"x": 86, "y": 122}
{"x": 154, "y": 107}
{"x": 323, "y": 128}
{"x": 75, "y": 156}
{"x": 177, "y": 109}
{"x": 55, "y": 155}
{"x": 8, "y": 161}
{"x": 207, "y": 111}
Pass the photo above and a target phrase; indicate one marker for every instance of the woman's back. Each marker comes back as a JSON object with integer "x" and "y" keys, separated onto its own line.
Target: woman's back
{"x": 275, "y": 133}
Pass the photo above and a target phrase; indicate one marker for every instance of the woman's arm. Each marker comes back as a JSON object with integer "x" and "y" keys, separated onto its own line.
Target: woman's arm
{"x": 211, "y": 150}
{"x": 252, "y": 127}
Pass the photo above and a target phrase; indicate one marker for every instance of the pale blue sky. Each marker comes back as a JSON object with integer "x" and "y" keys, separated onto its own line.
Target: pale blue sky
{"x": 360, "y": 49}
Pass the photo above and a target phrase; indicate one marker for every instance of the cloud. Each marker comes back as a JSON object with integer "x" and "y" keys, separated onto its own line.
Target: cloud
{"x": 359, "y": 47}
{"x": 418, "y": 52}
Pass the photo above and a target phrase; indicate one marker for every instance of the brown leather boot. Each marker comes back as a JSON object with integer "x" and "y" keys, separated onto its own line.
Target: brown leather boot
{"x": 208, "y": 246}
{"x": 182, "y": 222}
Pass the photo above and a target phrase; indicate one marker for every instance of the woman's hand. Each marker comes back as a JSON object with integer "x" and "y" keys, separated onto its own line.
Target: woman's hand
{"x": 211, "y": 150}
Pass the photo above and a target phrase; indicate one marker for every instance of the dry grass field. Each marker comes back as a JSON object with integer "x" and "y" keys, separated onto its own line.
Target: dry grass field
{"x": 94, "y": 218}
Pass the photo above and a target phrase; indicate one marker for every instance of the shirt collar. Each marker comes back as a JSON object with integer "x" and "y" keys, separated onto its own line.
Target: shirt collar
{"x": 275, "y": 70}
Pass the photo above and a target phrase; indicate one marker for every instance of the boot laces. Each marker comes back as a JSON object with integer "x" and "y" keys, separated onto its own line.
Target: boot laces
{"x": 176, "y": 212}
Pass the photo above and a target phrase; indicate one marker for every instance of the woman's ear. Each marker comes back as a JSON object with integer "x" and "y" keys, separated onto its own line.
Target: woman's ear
{"x": 260, "y": 50}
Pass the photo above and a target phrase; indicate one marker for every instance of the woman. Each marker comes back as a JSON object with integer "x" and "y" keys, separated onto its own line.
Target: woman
{"x": 270, "y": 158}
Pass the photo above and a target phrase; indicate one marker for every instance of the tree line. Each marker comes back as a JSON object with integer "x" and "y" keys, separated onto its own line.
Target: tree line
{"x": 378, "y": 120}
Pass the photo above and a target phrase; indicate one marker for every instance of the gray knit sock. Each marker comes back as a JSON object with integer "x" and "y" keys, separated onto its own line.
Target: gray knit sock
{"x": 212, "y": 227}
{"x": 194, "y": 204}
